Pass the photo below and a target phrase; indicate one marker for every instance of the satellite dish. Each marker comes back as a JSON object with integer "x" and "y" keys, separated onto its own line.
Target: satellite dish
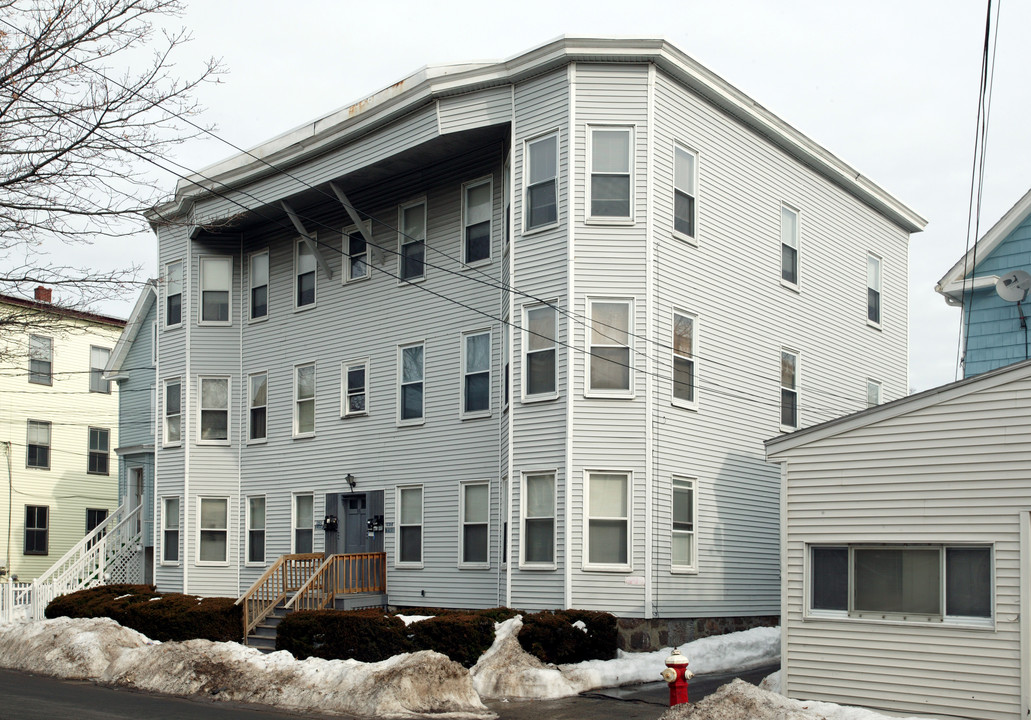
{"x": 1013, "y": 286}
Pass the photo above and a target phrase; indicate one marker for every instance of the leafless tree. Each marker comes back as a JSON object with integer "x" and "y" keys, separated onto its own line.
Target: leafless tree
{"x": 89, "y": 102}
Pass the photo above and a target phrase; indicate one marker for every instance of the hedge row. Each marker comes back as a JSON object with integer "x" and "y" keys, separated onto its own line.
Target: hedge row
{"x": 159, "y": 616}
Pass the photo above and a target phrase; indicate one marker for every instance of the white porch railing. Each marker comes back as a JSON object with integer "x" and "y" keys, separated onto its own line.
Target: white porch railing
{"x": 111, "y": 553}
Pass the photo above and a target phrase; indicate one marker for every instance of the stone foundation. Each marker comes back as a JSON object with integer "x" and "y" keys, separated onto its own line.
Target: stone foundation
{"x": 640, "y": 635}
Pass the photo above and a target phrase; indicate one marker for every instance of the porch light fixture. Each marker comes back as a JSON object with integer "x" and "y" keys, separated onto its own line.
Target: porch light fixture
{"x": 350, "y": 480}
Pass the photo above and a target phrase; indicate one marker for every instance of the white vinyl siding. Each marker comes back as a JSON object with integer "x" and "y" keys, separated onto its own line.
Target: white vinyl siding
{"x": 409, "y": 527}
{"x": 610, "y": 189}
{"x": 610, "y": 367}
{"x": 412, "y": 240}
{"x": 541, "y": 180}
{"x": 607, "y": 530}
{"x": 216, "y": 297}
{"x": 304, "y": 400}
{"x": 213, "y": 531}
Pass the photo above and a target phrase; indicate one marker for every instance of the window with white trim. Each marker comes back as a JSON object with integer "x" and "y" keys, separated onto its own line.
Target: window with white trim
{"x": 38, "y": 445}
{"x": 685, "y": 183}
{"x": 304, "y": 523}
{"x": 506, "y": 350}
{"x": 684, "y": 393}
{"x": 608, "y": 520}
{"x": 216, "y": 279}
{"x": 357, "y": 253}
{"x": 259, "y": 276}
{"x": 788, "y": 245}
{"x": 173, "y": 412}
{"x": 914, "y": 582}
{"x": 213, "y": 543}
{"x": 538, "y": 541}
{"x": 256, "y": 529}
{"x": 257, "y": 406}
{"x": 540, "y": 367}
{"x": 354, "y": 395}
{"x": 214, "y": 410}
{"x": 174, "y": 294}
{"x": 170, "y": 530}
{"x": 477, "y": 208}
{"x": 410, "y": 376}
{"x": 503, "y": 512}
{"x": 873, "y": 393}
{"x": 37, "y": 530}
{"x": 476, "y": 383}
{"x": 475, "y": 510}
{"x": 873, "y": 289}
{"x": 610, "y": 171}
{"x": 610, "y": 367}
{"x": 98, "y": 358}
{"x": 304, "y": 400}
{"x": 305, "y": 275}
{"x": 684, "y": 546}
{"x": 409, "y": 515}
{"x": 541, "y": 178}
{"x": 98, "y": 462}
{"x": 788, "y": 389}
{"x": 412, "y": 240}
{"x": 41, "y": 360}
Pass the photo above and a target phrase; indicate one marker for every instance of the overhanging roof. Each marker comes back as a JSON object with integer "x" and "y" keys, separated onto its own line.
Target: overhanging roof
{"x": 132, "y": 328}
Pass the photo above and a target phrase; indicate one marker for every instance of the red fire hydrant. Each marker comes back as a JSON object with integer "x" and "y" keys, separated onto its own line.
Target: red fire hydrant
{"x": 677, "y": 675}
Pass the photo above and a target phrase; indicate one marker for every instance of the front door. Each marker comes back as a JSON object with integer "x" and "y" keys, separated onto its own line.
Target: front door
{"x": 136, "y": 478}
{"x": 356, "y": 527}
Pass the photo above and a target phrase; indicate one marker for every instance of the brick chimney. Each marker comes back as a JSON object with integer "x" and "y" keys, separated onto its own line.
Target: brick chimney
{"x": 43, "y": 294}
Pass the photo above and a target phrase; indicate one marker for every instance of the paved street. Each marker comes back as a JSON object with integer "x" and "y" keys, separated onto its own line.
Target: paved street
{"x": 24, "y": 696}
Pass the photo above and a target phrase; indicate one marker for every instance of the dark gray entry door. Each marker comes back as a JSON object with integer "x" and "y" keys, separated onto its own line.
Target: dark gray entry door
{"x": 356, "y": 530}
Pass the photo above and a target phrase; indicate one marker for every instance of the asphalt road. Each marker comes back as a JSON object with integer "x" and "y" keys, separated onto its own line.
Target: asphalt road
{"x": 24, "y": 696}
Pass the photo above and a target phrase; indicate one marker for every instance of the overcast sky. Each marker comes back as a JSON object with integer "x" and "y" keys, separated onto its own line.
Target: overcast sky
{"x": 890, "y": 87}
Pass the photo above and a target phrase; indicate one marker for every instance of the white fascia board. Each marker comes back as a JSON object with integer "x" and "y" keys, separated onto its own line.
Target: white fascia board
{"x": 984, "y": 247}
{"x": 953, "y": 292}
{"x": 779, "y": 449}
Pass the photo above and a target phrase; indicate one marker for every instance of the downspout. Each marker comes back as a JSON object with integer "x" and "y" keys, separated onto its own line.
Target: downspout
{"x": 10, "y": 501}
{"x": 650, "y": 314}
{"x": 511, "y": 564}
{"x": 186, "y": 417}
{"x": 570, "y": 308}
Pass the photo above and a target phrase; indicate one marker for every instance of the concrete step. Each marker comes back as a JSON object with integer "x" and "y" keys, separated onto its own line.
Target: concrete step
{"x": 265, "y": 644}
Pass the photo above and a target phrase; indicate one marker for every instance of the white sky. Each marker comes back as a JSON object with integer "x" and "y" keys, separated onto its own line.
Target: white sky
{"x": 889, "y": 87}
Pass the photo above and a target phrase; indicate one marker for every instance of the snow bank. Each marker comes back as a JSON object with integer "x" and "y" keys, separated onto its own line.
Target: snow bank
{"x": 739, "y": 700}
{"x": 416, "y": 684}
{"x": 508, "y": 671}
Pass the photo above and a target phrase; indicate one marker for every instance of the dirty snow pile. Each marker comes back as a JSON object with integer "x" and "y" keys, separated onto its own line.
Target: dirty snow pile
{"x": 414, "y": 684}
{"x": 739, "y": 700}
{"x": 506, "y": 670}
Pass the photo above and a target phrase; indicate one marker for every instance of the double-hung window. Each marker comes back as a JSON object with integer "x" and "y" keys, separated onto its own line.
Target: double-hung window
{"x": 684, "y": 546}
{"x": 911, "y": 582}
{"x": 214, "y": 410}
{"x": 357, "y": 252}
{"x": 259, "y": 285}
{"x": 611, "y": 330}
{"x": 506, "y": 350}
{"x": 216, "y": 277}
{"x": 38, "y": 443}
{"x": 684, "y": 374}
{"x": 873, "y": 393}
{"x": 409, "y": 513}
{"x": 411, "y": 377}
{"x": 173, "y": 412}
{"x": 99, "y": 446}
{"x": 476, "y": 211}
{"x": 213, "y": 542}
{"x": 304, "y": 523}
{"x": 611, "y": 183}
{"x": 685, "y": 182}
{"x": 873, "y": 289}
{"x": 41, "y": 360}
{"x": 538, "y": 541}
{"x": 170, "y": 530}
{"x": 540, "y": 367}
{"x": 304, "y": 400}
{"x": 305, "y": 277}
{"x": 98, "y": 358}
{"x": 475, "y": 509}
{"x": 789, "y": 245}
{"x": 354, "y": 395}
{"x": 608, "y": 520}
{"x": 257, "y": 407}
{"x": 256, "y": 529}
{"x": 788, "y": 389}
{"x": 174, "y": 294}
{"x": 37, "y": 530}
{"x": 412, "y": 222}
{"x": 476, "y": 374}
{"x": 541, "y": 202}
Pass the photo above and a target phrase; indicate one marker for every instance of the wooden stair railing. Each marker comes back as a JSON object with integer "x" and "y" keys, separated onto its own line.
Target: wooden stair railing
{"x": 341, "y": 575}
{"x": 286, "y": 576}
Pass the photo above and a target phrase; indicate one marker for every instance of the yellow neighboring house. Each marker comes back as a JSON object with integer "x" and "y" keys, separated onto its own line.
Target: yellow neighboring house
{"x": 58, "y": 430}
